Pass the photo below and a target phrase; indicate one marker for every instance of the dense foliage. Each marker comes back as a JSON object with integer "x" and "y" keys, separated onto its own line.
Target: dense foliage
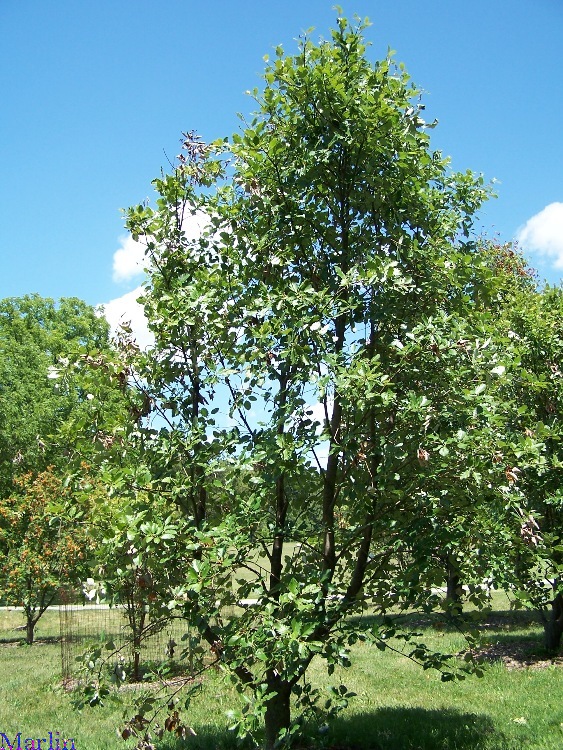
{"x": 37, "y": 338}
{"x": 44, "y": 509}
{"x": 44, "y": 542}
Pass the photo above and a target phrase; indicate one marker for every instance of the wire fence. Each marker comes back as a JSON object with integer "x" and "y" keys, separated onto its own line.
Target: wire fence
{"x": 157, "y": 646}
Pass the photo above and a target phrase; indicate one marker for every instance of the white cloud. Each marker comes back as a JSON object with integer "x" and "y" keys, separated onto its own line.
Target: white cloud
{"x": 543, "y": 234}
{"x": 126, "y": 309}
{"x": 129, "y": 260}
{"x": 194, "y": 225}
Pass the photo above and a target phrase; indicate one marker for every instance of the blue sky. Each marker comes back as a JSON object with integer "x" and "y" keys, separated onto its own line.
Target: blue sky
{"x": 96, "y": 94}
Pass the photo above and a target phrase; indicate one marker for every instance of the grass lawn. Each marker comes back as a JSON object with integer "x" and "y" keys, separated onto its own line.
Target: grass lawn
{"x": 398, "y": 707}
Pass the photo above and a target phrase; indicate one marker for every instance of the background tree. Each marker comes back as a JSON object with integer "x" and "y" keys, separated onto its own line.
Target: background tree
{"x": 43, "y": 397}
{"x": 533, "y": 332}
{"x": 38, "y": 336}
{"x": 335, "y": 277}
{"x": 139, "y": 555}
{"x": 44, "y": 540}
{"x": 476, "y": 540}
{"x": 518, "y": 536}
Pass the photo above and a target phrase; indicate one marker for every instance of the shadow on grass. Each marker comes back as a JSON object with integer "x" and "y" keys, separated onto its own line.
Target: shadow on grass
{"x": 206, "y": 739}
{"x": 484, "y": 621}
{"x": 514, "y": 618}
{"x": 531, "y": 642}
{"x": 20, "y": 640}
{"x": 384, "y": 729}
{"x": 518, "y": 651}
{"x": 417, "y": 729}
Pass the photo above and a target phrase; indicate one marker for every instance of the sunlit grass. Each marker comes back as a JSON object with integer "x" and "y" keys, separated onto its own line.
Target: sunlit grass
{"x": 398, "y": 705}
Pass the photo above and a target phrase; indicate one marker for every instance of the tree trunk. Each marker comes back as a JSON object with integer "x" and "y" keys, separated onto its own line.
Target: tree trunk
{"x": 137, "y": 640}
{"x": 30, "y": 631}
{"x": 454, "y": 590}
{"x": 553, "y": 625}
{"x": 278, "y": 711}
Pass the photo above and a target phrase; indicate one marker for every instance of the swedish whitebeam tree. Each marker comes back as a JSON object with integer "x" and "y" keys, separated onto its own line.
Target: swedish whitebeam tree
{"x": 321, "y": 366}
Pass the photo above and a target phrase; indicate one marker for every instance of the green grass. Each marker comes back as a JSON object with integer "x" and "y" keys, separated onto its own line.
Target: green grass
{"x": 47, "y": 627}
{"x": 398, "y": 706}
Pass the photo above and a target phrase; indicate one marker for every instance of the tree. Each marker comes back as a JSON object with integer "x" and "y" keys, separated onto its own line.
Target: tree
{"x": 519, "y": 538}
{"x": 320, "y": 319}
{"x": 38, "y": 336}
{"x": 43, "y": 540}
{"x": 140, "y": 550}
{"x": 43, "y": 397}
{"x": 475, "y": 547}
{"x": 532, "y": 329}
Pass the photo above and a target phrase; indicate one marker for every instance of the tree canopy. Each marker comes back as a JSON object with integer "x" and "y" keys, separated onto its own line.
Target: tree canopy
{"x": 37, "y": 338}
{"x": 44, "y": 541}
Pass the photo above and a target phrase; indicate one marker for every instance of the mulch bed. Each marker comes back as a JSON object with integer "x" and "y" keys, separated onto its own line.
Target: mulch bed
{"x": 518, "y": 654}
